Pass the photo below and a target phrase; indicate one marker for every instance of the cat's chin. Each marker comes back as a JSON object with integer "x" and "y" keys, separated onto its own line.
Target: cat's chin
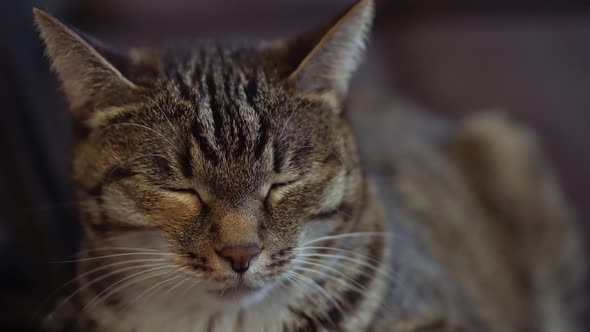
{"x": 239, "y": 296}
{"x": 236, "y": 292}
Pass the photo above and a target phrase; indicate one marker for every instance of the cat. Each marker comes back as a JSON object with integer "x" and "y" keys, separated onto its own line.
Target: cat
{"x": 222, "y": 187}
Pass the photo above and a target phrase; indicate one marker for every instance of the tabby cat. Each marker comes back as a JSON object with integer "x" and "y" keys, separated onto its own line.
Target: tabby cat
{"x": 221, "y": 188}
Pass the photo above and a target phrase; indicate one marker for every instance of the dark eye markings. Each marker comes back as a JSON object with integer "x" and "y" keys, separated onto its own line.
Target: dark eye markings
{"x": 190, "y": 191}
{"x": 182, "y": 190}
{"x": 325, "y": 215}
{"x": 274, "y": 187}
{"x": 279, "y": 185}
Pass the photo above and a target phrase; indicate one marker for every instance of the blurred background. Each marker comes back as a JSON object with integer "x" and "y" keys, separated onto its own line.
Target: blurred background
{"x": 531, "y": 58}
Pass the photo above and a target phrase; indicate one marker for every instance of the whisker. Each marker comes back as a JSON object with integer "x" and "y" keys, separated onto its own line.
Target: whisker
{"x": 341, "y": 257}
{"x": 155, "y": 286}
{"x": 125, "y": 236}
{"x": 295, "y": 109}
{"x": 347, "y": 235}
{"x": 120, "y": 248}
{"x": 313, "y": 299}
{"x": 191, "y": 287}
{"x": 167, "y": 140}
{"x": 163, "y": 113}
{"x": 87, "y": 251}
{"x": 340, "y": 250}
{"x": 148, "y": 155}
{"x": 126, "y": 249}
{"x": 314, "y": 284}
{"x": 99, "y": 298}
{"x": 358, "y": 287}
{"x": 377, "y": 269}
{"x": 346, "y": 281}
{"x": 114, "y": 255}
{"x": 98, "y": 279}
{"x": 78, "y": 277}
{"x": 333, "y": 151}
{"x": 170, "y": 290}
{"x": 169, "y": 281}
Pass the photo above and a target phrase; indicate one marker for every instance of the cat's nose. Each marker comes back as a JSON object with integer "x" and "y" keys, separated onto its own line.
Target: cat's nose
{"x": 239, "y": 256}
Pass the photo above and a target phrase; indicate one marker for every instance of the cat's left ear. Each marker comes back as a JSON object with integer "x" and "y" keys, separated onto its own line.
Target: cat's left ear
{"x": 324, "y": 60}
{"x": 91, "y": 74}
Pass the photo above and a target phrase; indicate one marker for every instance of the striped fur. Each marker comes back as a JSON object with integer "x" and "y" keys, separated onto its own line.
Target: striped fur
{"x": 183, "y": 152}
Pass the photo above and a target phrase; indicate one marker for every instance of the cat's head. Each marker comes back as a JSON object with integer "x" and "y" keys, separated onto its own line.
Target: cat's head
{"x": 227, "y": 158}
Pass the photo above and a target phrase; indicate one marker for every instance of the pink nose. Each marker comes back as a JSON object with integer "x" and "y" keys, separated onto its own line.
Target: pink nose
{"x": 239, "y": 257}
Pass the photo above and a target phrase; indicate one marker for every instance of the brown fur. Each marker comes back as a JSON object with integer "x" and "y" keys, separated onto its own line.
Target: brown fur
{"x": 187, "y": 151}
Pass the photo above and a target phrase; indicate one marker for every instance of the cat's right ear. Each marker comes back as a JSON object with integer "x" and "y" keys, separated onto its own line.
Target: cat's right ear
{"x": 89, "y": 79}
{"x": 323, "y": 60}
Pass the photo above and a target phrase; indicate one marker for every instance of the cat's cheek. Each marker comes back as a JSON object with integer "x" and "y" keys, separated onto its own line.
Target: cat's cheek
{"x": 120, "y": 208}
{"x": 314, "y": 229}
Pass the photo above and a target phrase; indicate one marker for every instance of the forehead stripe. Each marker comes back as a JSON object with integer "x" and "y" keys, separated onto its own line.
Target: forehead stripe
{"x": 207, "y": 149}
{"x": 262, "y": 138}
{"x": 214, "y": 104}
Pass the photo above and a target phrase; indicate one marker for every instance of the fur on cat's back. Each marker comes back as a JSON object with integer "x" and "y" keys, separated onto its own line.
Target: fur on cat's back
{"x": 484, "y": 239}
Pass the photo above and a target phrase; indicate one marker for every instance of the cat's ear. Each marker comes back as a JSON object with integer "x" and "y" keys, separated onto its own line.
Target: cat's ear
{"x": 324, "y": 60}
{"x": 89, "y": 79}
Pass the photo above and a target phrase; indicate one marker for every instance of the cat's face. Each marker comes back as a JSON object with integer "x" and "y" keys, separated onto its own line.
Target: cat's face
{"x": 228, "y": 160}
{"x": 239, "y": 166}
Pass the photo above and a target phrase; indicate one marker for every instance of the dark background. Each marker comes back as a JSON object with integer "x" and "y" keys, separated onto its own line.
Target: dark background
{"x": 531, "y": 58}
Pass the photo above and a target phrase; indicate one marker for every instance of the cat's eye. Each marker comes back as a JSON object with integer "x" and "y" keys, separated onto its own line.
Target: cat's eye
{"x": 182, "y": 190}
{"x": 276, "y": 188}
{"x": 187, "y": 191}
{"x": 279, "y": 185}
{"x": 190, "y": 197}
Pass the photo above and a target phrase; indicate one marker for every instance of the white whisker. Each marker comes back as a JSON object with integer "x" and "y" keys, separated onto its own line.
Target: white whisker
{"x": 340, "y": 250}
{"x": 347, "y": 235}
{"x": 115, "y": 255}
{"x": 119, "y": 248}
{"x": 155, "y": 286}
{"x": 163, "y": 113}
{"x": 148, "y": 155}
{"x": 319, "y": 288}
{"x": 170, "y": 290}
{"x": 98, "y": 297}
{"x": 295, "y": 109}
{"x": 305, "y": 287}
{"x": 142, "y": 126}
{"x": 346, "y": 281}
{"x": 93, "y": 281}
{"x": 319, "y": 147}
{"x": 374, "y": 267}
{"x": 109, "y": 266}
{"x": 186, "y": 291}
